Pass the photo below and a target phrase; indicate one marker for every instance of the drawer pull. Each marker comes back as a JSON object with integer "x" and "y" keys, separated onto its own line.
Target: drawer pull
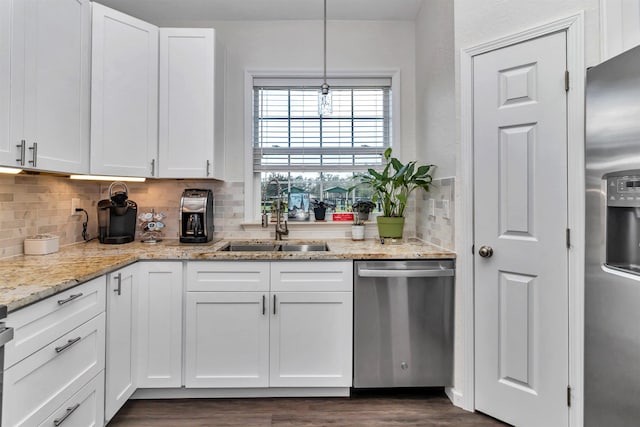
{"x": 264, "y": 306}
{"x": 70, "y": 411}
{"x": 71, "y": 298}
{"x": 67, "y": 345}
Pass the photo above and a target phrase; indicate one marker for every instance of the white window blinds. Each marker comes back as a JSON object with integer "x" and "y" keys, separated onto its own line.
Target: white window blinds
{"x": 290, "y": 135}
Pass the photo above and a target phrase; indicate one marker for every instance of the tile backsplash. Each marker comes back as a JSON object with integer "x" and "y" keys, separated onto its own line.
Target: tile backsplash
{"x": 36, "y": 204}
{"x": 41, "y": 203}
{"x": 437, "y": 226}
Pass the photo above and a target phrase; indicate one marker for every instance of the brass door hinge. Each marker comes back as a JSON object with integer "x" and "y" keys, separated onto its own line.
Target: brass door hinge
{"x": 566, "y": 80}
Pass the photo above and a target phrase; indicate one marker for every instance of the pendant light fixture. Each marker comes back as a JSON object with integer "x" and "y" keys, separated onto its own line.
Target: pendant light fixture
{"x": 325, "y": 106}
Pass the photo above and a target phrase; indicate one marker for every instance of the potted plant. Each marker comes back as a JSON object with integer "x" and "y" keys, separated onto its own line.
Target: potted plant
{"x": 363, "y": 208}
{"x": 357, "y": 229}
{"x": 320, "y": 208}
{"x": 392, "y": 188}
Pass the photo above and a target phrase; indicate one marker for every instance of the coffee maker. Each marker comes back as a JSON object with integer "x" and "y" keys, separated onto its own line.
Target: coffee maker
{"x": 196, "y": 216}
{"x": 117, "y": 216}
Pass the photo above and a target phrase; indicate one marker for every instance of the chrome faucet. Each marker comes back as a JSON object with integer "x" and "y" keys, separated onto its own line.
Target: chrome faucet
{"x": 281, "y": 230}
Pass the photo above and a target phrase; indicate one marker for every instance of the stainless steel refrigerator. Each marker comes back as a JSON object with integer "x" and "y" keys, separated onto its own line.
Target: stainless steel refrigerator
{"x": 612, "y": 293}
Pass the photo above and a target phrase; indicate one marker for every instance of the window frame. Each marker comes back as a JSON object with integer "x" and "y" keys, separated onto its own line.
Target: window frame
{"x": 252, "y": 187}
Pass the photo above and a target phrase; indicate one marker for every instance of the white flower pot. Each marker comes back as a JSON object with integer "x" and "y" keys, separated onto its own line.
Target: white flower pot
{"x": 357, "y": 232}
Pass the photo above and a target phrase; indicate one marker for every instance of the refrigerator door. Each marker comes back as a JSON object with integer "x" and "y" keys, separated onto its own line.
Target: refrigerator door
{"x": 612, "y": 296}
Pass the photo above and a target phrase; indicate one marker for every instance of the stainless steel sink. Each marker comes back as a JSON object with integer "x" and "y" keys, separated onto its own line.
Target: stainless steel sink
{"x": 317, "y": 247}
{"x": 249, "y": 247}
{"x": 273, "y": 247}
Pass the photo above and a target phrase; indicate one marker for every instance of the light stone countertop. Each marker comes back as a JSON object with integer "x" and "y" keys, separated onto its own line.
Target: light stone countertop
{"x": 27, "y": 279}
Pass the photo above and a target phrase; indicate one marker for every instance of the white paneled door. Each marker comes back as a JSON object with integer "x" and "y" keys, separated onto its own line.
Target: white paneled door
{"x": 521, "y": 277}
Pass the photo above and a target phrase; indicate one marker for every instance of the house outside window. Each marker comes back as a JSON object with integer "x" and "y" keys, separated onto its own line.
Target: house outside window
{"x": 315, "y": 157}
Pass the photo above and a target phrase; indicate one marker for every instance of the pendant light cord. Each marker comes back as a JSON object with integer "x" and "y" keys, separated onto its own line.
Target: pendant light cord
{"x": 325, "y": 42}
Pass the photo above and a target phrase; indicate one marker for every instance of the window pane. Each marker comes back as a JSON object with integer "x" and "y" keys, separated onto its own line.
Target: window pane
{"x": 300, "y": 189}
{"x": 288, "y": 129}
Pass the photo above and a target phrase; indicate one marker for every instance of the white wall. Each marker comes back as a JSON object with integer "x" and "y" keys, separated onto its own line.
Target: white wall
{"x": 435, "y": 86}
{"x": 436, "y": 135}
{"x": 289, "y": 46}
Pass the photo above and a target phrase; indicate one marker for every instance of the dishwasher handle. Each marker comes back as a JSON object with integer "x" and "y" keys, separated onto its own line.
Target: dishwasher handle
{"x": 447, "y": 272}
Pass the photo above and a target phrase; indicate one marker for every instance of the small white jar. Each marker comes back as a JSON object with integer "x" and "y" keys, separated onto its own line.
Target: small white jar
{"x": 357, "y": 232}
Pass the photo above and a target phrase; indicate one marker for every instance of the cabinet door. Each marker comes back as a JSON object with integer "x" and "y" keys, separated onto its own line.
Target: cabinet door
{"x": 186, "y": 102}
{"x": 124, "y": 94}
{"x": 227, "y": 339}
{"x": 311, "y": 339}
{"x": 120, "y": 368}
{"x": 160, "y": 324}
{"x": 49, "y": 96}
{"x": 7, "y": 144}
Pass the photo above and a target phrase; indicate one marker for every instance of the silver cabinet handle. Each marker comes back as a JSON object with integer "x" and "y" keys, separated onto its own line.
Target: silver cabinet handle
{"x": 118, "y": 290}
{"x": 70, "y": 411}
{"x": 71, "y": 298}
{"x": 153, "y": 167}
{"x": 68, "y": 344}
{"x": 22, "y": 146}
{"x": 274, "y": 303}
{"x": 264, "y": 306}
{"x": 208, "y": 168}
{"x": 34, "y": 149}
{"x": 406, "y": 273}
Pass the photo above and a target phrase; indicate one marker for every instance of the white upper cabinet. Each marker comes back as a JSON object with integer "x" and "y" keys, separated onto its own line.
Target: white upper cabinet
{"x": 191, "y": 104}
{"x": 620, "y": 26}
{"x": 44, "y": 84}
{"x": 7, "y": 146}
{"x": 124, "y": 94}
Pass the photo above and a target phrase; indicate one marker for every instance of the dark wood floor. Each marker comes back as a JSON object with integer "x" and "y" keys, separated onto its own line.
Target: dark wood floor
{"x": 423, "y": 409}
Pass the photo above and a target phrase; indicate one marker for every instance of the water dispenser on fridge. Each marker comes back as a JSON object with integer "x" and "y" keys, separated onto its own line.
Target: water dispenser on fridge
{"x": 623, "y": 221}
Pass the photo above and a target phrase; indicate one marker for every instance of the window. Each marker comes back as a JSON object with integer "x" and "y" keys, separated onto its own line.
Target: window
{"x": 315, "y": 157}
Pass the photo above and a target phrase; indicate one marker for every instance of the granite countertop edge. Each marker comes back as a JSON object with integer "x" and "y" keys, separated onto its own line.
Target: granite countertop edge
{"x": 27, "y": 279}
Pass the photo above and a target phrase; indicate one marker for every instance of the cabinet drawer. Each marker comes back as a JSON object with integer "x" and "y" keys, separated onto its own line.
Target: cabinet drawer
{"x": 230, "y": 276}
{"x": 83, "y": 409}
{"x": 42, "y": 382}
{"x": 315, "y": 276}
{"x": 40, "y": 324}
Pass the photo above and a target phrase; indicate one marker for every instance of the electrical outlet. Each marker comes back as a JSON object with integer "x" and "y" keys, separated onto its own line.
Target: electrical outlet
{"x": 75, "y": 204}
{"x": 445, "y": 209}
{"x": 432, "y": 207}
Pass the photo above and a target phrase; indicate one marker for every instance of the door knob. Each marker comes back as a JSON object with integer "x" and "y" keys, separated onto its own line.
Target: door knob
{"x": 485, "y": 251}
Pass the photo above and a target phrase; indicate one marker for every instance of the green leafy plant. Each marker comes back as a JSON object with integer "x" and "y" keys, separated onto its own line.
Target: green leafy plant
{"x": 363, "y": 206}
{"x": 395, "y": 183}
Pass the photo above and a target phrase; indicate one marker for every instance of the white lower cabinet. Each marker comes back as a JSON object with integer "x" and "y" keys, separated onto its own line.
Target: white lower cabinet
{"x": 227, "y": 324}
{"x": 58, "y": 348}
{"x": 83, "y": 409}
{"x": 227, "y": 339}
{"x": 121, "y": 349}
{"x": 310, "y": 343}
{"x": 39, "y": 384}
{"x": 159, "y": 334}
{"x": 269, "y": 324}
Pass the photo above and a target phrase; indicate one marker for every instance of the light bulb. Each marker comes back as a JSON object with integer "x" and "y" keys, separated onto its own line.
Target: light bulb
{"x": 325, "y": 104}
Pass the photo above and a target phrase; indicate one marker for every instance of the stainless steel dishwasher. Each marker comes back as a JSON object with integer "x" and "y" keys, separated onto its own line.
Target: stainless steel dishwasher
{"x": 403, "y": 323}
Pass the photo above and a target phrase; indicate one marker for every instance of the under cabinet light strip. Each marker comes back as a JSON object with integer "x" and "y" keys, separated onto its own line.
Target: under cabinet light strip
{"x": 12, "y": 171}
{"x": 108, "y": 178}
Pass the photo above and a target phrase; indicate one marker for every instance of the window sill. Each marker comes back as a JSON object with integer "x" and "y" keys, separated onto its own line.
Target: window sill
{"x": 302, "y": 225}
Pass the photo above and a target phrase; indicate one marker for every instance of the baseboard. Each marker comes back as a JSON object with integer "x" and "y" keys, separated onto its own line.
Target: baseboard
{"x": 212, "y": 393}
{"x": 454, "y": 396}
